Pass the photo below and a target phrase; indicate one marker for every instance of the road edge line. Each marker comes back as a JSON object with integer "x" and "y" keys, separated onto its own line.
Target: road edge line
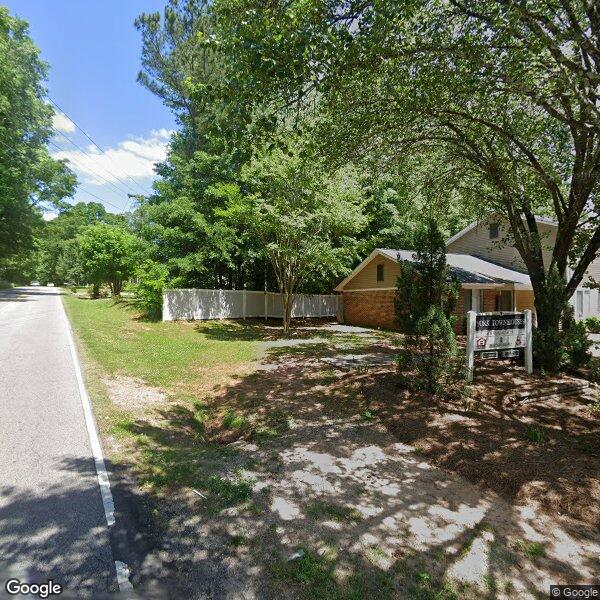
{"x": 90, "y": 424}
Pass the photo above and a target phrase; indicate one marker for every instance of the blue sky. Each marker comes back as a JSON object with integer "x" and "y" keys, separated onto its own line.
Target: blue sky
{"x": 93, "y": 51}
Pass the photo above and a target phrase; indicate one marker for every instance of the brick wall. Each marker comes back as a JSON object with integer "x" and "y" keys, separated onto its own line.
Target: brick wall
{"x": 370, "y": 309}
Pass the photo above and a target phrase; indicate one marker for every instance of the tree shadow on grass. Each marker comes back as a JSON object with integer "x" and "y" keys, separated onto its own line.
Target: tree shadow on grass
{"x": 277, "y": 457}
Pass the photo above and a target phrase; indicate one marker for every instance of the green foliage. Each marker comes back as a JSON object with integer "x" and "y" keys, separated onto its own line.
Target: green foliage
{"x": 592, "y": 324}
{"x": 535, "y": 435}
{"x": 305, "y": 218}
{"x": 152, "y": 277}
{"x": 57, "y": 247}
{"x": 575, "y": 340}
{"x": 429, "y": 359}
{"x": 425, "y": 281}
{"x": 108, "y": 254}
{"x": 29, "y": 177}
{"x": 487, "y": 94}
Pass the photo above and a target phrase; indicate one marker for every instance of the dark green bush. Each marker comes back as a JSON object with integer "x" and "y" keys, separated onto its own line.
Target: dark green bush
{"x": 576, "y": 342}
{"x": 430, "y": 360}
{"x": 593, "y": 324}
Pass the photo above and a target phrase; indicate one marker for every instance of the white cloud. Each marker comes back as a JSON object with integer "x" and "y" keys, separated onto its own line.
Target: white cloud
{"x": 49, "y": 216}
{"x": 134, "y": 157}
{"x": 61, "y": 123}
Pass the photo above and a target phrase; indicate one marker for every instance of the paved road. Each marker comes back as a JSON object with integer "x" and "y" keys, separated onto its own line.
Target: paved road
{"x": 52, "y": 520}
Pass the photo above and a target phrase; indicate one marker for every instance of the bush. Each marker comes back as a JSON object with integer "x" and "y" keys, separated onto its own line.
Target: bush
{"x": 593, "y": 324}
{"x": 576, "y": 342}
{"x": 430, "y": 360}
{"x": 568, "y": 347}
{"x": 152, "y": 278}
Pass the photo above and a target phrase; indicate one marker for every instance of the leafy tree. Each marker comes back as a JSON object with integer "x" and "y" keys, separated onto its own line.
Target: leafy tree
{"x": 503, "y": 94}
{"x": 425, "y": 281}
{"x": 305, "y": 218}
{"x": 28, "y": 176}
{"x": 183, "y": 68}
{"x": 108, "y": 254}
{"x": 57, "y": 253}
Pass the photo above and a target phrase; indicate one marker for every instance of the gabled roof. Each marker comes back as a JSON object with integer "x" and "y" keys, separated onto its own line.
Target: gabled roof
{"x": 456, "y": 236}
{"x": 464, "y": 267}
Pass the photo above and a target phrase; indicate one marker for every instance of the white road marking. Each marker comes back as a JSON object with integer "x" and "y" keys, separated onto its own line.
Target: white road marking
{"x": 105, "y": 491}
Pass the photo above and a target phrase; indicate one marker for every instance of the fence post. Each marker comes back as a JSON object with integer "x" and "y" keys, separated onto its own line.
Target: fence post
{"x": 471, "y": 315}
{"x": 528, "y": 342}
{"x": 266, "y": 305}
{"x": 244, "y": 303}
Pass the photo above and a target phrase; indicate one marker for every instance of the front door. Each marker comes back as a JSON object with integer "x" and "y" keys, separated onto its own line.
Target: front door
{"x": 505, "y": 301}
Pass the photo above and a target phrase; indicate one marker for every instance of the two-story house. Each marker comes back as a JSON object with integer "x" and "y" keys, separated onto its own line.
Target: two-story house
{"x": 490, "y": 270}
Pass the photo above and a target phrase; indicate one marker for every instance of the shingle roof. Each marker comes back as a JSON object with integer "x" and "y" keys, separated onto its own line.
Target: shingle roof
{"x": 469, "y": 269}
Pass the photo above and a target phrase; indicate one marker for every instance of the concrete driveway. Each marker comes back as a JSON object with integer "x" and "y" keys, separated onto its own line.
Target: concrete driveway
{"x": 52, "y": 520}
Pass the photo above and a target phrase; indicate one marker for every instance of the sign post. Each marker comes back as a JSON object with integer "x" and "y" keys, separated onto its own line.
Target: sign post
{"x": 528, "y": 343}
{"x": 499, "y": 335}
{"x": 471, "y": 317}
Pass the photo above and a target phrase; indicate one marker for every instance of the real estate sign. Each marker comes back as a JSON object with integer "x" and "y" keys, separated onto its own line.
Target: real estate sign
{"x": 498, "y": 335}
{"x": 499, "y": 331}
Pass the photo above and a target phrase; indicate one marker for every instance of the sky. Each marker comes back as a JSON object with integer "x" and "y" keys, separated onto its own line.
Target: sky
{"x": 93, "y": 51}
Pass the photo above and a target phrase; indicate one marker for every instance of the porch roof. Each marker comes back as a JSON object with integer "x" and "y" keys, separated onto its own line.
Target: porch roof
{"x": 470, "y": 269}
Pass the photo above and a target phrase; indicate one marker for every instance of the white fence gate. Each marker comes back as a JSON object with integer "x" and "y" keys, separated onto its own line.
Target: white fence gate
{"x": 195, "y": 304}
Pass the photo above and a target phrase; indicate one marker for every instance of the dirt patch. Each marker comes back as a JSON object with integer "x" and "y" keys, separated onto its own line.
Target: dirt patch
{"x": 341, "y": 508}
{"x": 320, "y": 478}
{"x": 133, "y": 394}
{"x": 543, "y": 449}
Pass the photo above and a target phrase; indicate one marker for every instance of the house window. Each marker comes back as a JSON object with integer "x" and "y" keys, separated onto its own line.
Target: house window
{"x": 493, "y": 231}
{"x": 379, "y": 272}
{"x": 583, "y": 303}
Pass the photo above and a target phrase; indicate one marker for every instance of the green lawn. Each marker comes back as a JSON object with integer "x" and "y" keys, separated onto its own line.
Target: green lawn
{"x": 162, "y": 354}
{"x": 168, "y": 444}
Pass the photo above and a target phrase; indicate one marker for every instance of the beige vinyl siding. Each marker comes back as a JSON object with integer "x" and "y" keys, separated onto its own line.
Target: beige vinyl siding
{"x": 593, "y": 271}
{"x": 478, "y": 243}
{"x": 366, "y": 279}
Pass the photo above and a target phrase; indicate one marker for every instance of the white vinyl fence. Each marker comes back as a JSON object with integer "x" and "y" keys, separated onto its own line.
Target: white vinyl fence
{"x": 194, "y": 304}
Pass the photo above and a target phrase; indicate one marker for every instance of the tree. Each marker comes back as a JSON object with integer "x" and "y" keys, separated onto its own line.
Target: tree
{"x": 57, "y": 247}
{"x": 425, "y": 298}
{"x": 108, "y": 254}
{"x": 183, "y": 68}
{"x": 305, "y": 218}
{"x": 504, "y": 93}
{"x": 425, "y": 282}
{"x": 29, "y": 178}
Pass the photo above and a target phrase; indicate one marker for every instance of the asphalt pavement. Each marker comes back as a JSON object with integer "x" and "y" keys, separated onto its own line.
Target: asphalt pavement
{"x": 52, "y": 519}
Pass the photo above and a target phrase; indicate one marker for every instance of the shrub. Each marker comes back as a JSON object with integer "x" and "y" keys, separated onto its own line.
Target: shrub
{"x": 593, "y": 324}
{"x": 429, "y": 360}
{"x": 576, "y": 342}
{"x": 152, "y": 278}
{"x": 567, "y": 347}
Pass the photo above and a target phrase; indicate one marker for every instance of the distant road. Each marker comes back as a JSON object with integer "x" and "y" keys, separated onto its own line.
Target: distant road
{"x": 52, "y": 521}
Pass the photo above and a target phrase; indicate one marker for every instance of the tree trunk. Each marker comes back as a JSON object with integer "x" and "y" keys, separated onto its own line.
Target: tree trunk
{"x": 116, "y": 287}
{"x": 287, "y": 299}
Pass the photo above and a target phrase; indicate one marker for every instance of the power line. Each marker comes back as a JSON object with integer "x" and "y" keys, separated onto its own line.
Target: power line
{"x": 93, "y": 142}
{"x": 119, "y": 208}
{"x": 91, "y": 157}
{"x": 84, "y": 167}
